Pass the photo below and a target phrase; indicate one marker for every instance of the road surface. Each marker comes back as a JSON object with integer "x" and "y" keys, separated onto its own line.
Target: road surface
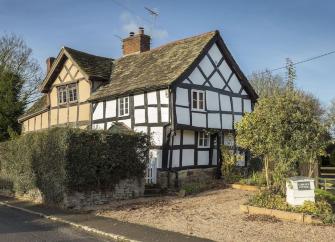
{"x": 19, "y": 226}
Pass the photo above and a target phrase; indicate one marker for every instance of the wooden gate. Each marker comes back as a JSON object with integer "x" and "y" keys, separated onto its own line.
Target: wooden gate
{"x": 327, "y": 178}
{"x": 151, "y": 172}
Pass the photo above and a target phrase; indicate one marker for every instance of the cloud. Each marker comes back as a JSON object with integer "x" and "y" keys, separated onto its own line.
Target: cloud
{"x": 131, "y": 23}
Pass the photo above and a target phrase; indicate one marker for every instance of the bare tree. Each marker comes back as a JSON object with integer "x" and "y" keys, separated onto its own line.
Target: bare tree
{"x": 266, "y": 84}
{"x": 16, "y": 57}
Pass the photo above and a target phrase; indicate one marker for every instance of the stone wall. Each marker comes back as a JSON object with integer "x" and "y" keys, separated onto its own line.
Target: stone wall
{"x": 183, "y": 177}
{"x": 126, "y": 189}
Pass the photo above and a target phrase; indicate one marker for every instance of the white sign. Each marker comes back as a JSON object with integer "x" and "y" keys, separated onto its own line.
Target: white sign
{"x": 299, "y": 189}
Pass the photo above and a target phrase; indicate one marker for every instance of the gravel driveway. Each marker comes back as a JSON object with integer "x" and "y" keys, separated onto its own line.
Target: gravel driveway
{"x": 214, "y": 215}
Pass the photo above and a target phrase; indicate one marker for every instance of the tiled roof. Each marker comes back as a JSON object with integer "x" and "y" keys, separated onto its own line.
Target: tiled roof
{"x": 40, "y": 105}
{"x": 153, "y": 69}
{"x": 92, "y": 65}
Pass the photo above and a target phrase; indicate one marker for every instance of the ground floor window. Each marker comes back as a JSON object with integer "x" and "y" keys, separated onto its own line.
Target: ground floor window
{"x": 203, "y": 140}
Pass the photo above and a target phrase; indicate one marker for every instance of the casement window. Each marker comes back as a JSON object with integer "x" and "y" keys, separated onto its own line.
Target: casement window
{"x": 124, "y": 106}
{"x": 72, "y": 90}
{"x": 203, "y": 140}
{"x": 62, "y": 95}
{"x": 198, "y": 100}
{"x": 67, "y": 94}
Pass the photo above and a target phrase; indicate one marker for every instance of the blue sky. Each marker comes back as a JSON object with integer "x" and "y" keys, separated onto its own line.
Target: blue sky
{"x": 260, "y": 34}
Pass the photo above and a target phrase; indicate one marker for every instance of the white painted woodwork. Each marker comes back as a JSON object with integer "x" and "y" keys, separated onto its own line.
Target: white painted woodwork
{"x": 212, "y": 101}
{"x": 175, "y": 158}
{"x": 143, "y": 129}
{"x": 186, "y": 82}
{"x": 98, "y": 126}
{"x": 237, "y": 104}
{"x": 214, "y": 121}
{"x": 206, "y": 66}
{"x": 188, "y": 137}
{"x": 139, "y": 100}
{"x": 188, "y": 157}
{"x": 247, "y": 105}
{"x": 215, "y": 53}
{"x": 196, "y": 77}
{"x": 139, "y": 115}
{"x": 225, "y": 103}
{"x": 217, "y": 81}
{"x": 225, "y": 70}
{"x": 157, "y": 135}
{"x": 234, "y": 84}
{"x": 237, "y": 118}
{"x": 152, "y": 97}
{"x": 182, "y": 96}
{"x": 227, "y": 121}
{"x": 156, "y": 155}
{"x": 203, "y": 157}
{"x": 244, "y": 92}
{"x": 127, "y": 122}
{"x": 111, "y": 109}
{"x": 99, "y": 111}
{"x": 164, "y": 96}
{"x": 214, "y": 157}
{"x": 199, "y": 120}
{"x": 183, "y": 116}
{"x": 152, "y": 115}
{"x": 165, "y": 114}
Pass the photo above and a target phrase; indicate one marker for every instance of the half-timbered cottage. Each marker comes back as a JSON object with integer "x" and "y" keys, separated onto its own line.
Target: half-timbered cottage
{"x": 187, "y": 94}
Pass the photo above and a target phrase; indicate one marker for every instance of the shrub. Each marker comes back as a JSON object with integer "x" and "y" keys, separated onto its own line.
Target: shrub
{"x": 256, "y": 178}
{"x": 321, "y": 208}
{"x": 325, "y": 195}
{"x": 65, "y": 160}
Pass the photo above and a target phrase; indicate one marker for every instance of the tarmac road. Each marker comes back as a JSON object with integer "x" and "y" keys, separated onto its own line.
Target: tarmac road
{"x": 18, "y": 226}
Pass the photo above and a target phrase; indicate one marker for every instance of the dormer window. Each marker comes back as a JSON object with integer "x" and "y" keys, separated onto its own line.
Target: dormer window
{"x": 67, "y": 94}
{"x": 124, "y": 106}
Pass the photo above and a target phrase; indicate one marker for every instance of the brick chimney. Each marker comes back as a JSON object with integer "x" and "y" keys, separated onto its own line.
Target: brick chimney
{"x": 49, "y": 62}
{"x": 136, "y": 43}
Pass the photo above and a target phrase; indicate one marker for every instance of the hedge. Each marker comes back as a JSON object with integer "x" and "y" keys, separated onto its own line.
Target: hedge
{"x": 63, "y": 160}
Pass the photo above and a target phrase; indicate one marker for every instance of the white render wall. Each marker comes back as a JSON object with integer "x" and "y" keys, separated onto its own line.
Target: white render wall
{"x": 225, "y": 98}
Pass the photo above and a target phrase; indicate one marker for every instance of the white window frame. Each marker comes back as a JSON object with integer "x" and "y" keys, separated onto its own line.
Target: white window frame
{"x": 61, "y": 92}
{"x": 125, "y": 108}
{"x": 202, "y": 136}
{"x": 74, "y": 89}
{"x": 198, "y": 100}
{"x": 64, "y": 91}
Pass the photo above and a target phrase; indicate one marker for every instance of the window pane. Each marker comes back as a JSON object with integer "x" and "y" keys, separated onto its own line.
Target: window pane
{"x": 195, "y": 100}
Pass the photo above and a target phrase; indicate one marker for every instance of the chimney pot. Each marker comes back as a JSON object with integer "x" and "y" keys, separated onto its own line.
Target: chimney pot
{"x": 131, "y": 34}
{"x": 141, "y": 30}
{"x": 49, "y": 62}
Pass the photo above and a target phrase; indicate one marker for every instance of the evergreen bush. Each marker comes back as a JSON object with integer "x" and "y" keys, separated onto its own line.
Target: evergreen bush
{"x": 62, "y": 160}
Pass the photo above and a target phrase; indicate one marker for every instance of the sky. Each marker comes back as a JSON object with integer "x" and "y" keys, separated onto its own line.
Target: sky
{"x": 259, "y": 33}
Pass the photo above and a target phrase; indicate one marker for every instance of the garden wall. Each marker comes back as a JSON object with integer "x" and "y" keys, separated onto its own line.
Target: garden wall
{"x": 74, "y": 168}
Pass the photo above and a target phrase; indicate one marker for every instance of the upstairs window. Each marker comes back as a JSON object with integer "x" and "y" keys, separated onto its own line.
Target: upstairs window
{"x": 62, "y": 96}
{"x": 67, "y": 94}
{"x": 203, "y": 140}
{"x": 72, "y": 89}
{"x": 198, "y": 100}
{"x": 124, "y": 106}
